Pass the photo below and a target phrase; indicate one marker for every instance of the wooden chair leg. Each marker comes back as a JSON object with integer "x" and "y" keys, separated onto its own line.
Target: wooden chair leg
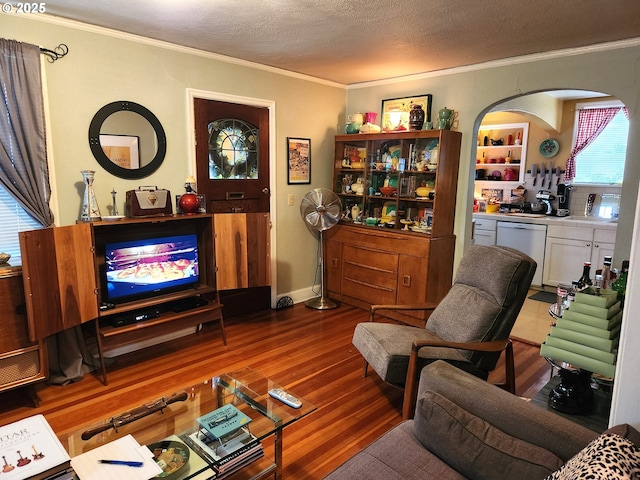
{"x": 365, "y": 370}
{"x": 411, "y": 387}
{"x": 510, "y": 369}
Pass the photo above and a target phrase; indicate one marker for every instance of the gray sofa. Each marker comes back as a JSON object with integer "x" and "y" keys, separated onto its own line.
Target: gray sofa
{"x": 466, "y": 428}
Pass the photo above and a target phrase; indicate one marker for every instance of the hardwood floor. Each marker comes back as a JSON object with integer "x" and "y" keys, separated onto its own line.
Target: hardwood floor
{"x": 308, "y": 351}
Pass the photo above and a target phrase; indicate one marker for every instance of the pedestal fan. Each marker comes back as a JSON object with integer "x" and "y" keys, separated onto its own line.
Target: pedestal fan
{"x": 320, "y": 209}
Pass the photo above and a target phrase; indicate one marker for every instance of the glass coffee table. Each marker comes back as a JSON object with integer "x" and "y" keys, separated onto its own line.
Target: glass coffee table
{"x": 169, "y": 426}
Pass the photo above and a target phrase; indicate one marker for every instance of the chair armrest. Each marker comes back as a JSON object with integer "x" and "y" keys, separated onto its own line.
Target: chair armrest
{"x": 413, "y": 306}
{"x": 411, "y": 385}
{"x": 494, "y": 346}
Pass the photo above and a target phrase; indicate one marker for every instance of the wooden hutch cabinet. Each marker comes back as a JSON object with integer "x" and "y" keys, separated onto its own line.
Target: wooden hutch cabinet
{"x": 66, "y": 283}
{"x": 395, "y": 244}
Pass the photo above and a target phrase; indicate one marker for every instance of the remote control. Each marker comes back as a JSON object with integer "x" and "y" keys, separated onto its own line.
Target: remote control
{"x": 285, "y": 397}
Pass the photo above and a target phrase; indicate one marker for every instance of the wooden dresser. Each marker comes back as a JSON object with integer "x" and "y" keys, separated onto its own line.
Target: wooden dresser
{"x": 22, "y": 362}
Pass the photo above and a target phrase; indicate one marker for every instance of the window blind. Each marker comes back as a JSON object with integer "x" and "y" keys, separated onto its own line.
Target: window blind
{"x": 13, "y": 219}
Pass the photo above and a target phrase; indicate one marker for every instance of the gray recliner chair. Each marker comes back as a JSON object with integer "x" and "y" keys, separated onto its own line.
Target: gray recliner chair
{"x": 469, "y": 328}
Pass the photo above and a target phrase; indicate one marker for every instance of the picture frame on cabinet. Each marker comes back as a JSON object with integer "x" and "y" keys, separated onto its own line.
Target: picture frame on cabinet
{"x": 298, "y": 161}
{"x": 123, "y": 150}
{"x": 394, "y": 115}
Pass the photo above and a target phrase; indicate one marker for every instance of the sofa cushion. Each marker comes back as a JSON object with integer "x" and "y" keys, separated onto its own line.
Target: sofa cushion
{"x": 397, "y": 455}
{"x": 608, "y": 457}
{"x": 387, "y": 347}
{"x": 626, "y": 431}
{"x": 474, "y": 447}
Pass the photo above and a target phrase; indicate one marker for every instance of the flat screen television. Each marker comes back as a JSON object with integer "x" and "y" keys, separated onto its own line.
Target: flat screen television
{"x": 148, "y": 267}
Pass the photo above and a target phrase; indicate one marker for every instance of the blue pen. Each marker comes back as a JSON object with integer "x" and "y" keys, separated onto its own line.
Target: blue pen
{"x": 122, "y": 462}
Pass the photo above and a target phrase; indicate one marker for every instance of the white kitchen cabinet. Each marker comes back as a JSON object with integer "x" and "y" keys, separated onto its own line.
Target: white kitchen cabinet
{"x": 569, "y": 247}
{"x": 484, "y": 232}
{"x": 604, "y": 242}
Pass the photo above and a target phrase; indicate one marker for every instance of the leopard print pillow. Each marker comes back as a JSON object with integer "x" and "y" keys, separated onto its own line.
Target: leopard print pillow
{"x": 608, "y": 457}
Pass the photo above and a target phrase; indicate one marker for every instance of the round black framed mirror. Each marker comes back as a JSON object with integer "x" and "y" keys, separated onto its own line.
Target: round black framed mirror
{"x": 127, "y": 140}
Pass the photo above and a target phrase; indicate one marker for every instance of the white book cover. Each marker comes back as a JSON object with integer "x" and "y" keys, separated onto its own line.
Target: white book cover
{"x": 29, "y": 447}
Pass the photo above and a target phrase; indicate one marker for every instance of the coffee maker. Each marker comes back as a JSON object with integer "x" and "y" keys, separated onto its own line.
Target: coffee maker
{"x": 563, "y": 192}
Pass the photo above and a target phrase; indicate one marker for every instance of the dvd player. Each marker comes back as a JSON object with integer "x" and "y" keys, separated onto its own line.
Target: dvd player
{"x": 135, "y": 316}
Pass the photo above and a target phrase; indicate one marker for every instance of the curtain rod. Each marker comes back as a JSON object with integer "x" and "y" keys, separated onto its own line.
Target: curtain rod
{"x": 55, "y": 54}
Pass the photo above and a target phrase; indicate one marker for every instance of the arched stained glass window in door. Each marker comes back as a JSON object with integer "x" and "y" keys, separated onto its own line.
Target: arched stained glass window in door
{"x": 233, "y": 150}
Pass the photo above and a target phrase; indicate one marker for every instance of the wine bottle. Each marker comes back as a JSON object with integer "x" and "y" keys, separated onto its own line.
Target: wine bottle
{"x": 606, "y": 272}
{"x": 620, "y": 283}
{"x": 585, "y": 281}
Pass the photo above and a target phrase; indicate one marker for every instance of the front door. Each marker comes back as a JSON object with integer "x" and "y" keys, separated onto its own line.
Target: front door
{"x": 232, "y": 165}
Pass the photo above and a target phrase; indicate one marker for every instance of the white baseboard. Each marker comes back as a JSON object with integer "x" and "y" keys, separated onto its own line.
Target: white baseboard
{"x": 299, "y": 296}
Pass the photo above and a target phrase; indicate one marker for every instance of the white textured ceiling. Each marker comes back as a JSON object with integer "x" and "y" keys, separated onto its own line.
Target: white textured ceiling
{"x": 353, "y": 41}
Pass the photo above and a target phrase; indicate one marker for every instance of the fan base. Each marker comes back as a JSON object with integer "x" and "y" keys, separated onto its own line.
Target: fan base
{"x": 321, "y": 303}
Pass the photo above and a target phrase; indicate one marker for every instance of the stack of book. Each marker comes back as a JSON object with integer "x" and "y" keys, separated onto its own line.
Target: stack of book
{"x": 31, "y": 451}
{"x": 224, "y": 440}
{"x": 587, "y": 335}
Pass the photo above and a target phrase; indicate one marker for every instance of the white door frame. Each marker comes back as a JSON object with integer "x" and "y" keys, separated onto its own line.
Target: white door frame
{"x": 192, "y": 94}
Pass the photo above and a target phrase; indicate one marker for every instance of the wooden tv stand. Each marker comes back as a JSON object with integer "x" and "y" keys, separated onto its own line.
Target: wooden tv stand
{"x": 65, "y": 281}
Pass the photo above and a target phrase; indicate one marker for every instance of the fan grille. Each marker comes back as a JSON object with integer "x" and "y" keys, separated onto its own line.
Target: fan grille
{"x": 320, "y": 208}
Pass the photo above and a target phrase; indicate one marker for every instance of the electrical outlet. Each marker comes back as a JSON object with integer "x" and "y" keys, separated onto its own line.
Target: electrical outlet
{"x": 290, "y": 199}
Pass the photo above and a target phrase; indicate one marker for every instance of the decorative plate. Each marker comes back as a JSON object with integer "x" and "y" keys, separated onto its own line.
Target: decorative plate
{"x": 549, "y": 148}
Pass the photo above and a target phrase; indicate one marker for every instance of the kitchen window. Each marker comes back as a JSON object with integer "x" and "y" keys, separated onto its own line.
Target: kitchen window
{"x": 602, "y": 160}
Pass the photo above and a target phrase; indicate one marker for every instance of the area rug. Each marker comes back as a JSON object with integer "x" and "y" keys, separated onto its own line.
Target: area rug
{"x": 546, "y": 297}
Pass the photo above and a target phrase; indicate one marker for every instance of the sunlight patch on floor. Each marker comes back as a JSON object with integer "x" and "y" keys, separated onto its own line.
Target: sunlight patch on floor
{"x": 533, "y": 323}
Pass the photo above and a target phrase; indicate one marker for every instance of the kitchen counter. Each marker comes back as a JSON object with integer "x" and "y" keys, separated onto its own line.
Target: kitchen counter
{"x": 535, "y": 218}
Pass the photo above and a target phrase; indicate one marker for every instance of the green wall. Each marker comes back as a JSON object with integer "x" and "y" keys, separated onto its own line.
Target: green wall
{"x": 101, "y": 68}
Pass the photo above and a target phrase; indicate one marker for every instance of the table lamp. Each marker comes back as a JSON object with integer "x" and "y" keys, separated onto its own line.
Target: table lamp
{"x": 583, "y": 341}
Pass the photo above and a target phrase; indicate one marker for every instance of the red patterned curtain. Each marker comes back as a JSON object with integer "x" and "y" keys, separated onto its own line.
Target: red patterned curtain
{"x": 591, "y": 122}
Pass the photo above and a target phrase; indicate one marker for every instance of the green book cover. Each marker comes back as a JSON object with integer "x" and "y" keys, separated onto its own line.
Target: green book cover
{"x": 604, "y": 344}
{"x": 578, "y": 360}
{"x": 598, "y": 312}
{"x": 604, "y": 300}
{"x": 588, "y": 329}
{"x": 562, "y": 344}
{"x": 607, "y": 324}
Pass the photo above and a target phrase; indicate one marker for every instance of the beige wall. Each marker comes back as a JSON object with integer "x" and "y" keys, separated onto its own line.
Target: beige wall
{"x": 100, "y": 69}
{"x": 473, "y": 93}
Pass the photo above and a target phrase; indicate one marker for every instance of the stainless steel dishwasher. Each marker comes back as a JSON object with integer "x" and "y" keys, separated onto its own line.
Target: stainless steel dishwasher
{"x": 529, "y": 238}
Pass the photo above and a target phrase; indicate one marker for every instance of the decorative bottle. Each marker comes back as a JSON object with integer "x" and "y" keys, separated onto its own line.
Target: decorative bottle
{"x": 189, "y": 202}
{"x": 620, "y": 284}
{"x": 606, "y": 272}
{"x": 584, "y": 282}
{"x": 90, "y": 209}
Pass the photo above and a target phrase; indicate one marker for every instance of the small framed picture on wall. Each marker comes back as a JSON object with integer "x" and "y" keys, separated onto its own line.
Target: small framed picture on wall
{"x": 299, "y": 160}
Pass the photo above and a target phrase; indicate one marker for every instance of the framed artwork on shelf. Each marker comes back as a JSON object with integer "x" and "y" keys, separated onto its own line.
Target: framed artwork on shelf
{"x": 298, "y": 160}
{"x": 394, "y": 116}
{"x": 123, "y": 150}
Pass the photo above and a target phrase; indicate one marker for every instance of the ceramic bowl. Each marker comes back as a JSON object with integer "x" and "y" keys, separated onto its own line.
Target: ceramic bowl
{"x": 388, "y": 191}
{"x": 423, "y": 191}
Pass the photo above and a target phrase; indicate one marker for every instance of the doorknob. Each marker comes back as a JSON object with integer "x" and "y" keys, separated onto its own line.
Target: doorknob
{"x": 265, "y": 190}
